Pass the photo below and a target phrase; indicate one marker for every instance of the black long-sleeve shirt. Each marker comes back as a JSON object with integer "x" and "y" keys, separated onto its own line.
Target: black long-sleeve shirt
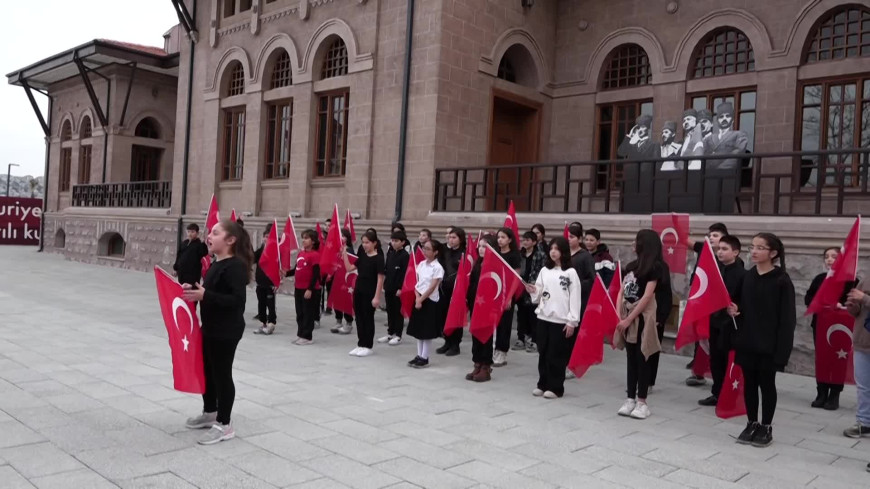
{"x": 767, "y": 307}
{"x": 584, "y": 264}
{"x": 188, "y": 261}
{"x": 223, "y": 305}
{"x": 394, "y": 271}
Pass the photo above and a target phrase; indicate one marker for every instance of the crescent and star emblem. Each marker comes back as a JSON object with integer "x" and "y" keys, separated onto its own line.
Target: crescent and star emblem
{"x": 494, "y": 276}
{"x": 178, "y": 303}
{"x": 736, "y": 384}
{"x": 701, "y": 275}
{"x": 841, "y": 354}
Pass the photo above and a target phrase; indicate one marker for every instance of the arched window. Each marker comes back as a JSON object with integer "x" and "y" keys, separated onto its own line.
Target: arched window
{"x": 60, "y": 239}
{"x": 86, "y": 130}
{"x": 147, "y": 128}
{"x": 627, "y": 66}
{"x": 724, "y": 51}
{"x": 844, "y": 32}
{"x": 66, "y": 131}
{"x": 282, "y": 73}
{"x": 518, "y": 66}
{"x": 236, "y": 82}
{"x": 506, "y": 70}
{"x": 111, "y": 245}
{"x": 334, "y": 60}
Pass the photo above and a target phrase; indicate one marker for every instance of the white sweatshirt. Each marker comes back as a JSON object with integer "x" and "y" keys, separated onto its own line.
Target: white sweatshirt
{"x": 558, "y": 296}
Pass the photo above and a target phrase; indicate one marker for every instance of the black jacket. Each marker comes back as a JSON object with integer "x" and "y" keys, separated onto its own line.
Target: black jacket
{"x": 260, "y": 276}
{"x": 767, "y": 308}
{"x": 664, "y": 295}
{"x": 223, "y": 305}
{"x": 452, "y": 258}
{"x": 394, "y": 271}
{"x": 733, "y": 276}
{"x": 473, "y": 279}
{"x": 814, "y": 289}
{"x": 584, "y": 265}
{"x": 188, "y": 261}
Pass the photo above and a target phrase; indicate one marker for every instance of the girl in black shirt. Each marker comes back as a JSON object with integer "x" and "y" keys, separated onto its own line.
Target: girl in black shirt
{"x": 509, "y": 250}
{"x": 827, "y": 395}
{"x": 222, "y": 298}
{"x": 764, "y": 338}
{"x": 347, "y": 327}
{"x": 366, "y": 294}
{"x": 454, "y": 250}
{"x": 481, "y": 353}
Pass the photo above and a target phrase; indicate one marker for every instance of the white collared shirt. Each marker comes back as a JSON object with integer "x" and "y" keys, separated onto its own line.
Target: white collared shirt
{"x": 427, "y": 273}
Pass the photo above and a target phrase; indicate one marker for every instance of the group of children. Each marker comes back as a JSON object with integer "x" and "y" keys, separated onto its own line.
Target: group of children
{"x": 558, "y": 275}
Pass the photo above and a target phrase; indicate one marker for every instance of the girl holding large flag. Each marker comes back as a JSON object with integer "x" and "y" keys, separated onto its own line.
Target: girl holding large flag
{"x": 827, "y": 395}
{"x": 366, "y": 294}
{"x": 347, "y": 327}
{"x": 481, "y": 353}
{"x": 222, "y": 297}
{"x": 453, "y": 254}
{"x": 763, "y": 342}
{"x": 557, "y": 293}
{"x": 636, "y": 332}
{"x": 425, "y": 323}
{"x": 508, "y": 248}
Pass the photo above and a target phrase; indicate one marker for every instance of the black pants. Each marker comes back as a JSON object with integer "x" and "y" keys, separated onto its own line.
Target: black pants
{"x": 526, "y": 322}
{"x": 637, "y": 373}
{"x": 832, "y": 388}
{"x": 220, "y": 391}
{"x": 348, "y": 318}
{"x": 654, "y": 359}
{"x": 455, "y": 338}
{"x": 503, "y": 332}
{"x": 763, "y": 379}
{"x": 365, "y": 320}
{"x": 266, "y": 305}
{"x": 554, "y": 351}
{"x": 395, "y": 321}
{"x": 482, "y": 352}
{"x": 718, "y": 360}
{"x": 307, "y": 311}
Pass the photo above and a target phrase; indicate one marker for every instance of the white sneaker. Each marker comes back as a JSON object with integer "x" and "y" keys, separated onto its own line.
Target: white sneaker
{"x": 346, "y": 329}
{"x": 641, "y": 411}
{"x": 499, "y": 358}
{"x": 569, "y": 374}
{"x": 537, "y": 392}
{"x": 385, "y": 339}
{"x": 354, "y": 351}
{"x": 627, "y": 407}
{"x": 304, "y": 342}
{"x": 217, "y": 434}
{"x": 335, "y": 329}
{"x": 550, "y": 395}
{"x": 364, "y": 352}
{"x": 316, "y": 324}
{"x": 396, "y": 340}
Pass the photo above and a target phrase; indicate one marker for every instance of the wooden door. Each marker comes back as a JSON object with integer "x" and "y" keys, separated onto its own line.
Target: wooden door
{"x": 513, "y": 140}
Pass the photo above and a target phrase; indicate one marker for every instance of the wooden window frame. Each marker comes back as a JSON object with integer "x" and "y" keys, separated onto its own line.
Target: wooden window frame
{"x": 613, "y": 172}
{"x": 707, "y": 50}
{"x": 273, "y": 169}
{"x": 282, "y": 71}
{"x": 335, "y": 60}
{"x": 65, "y": 169}
{"x": 231, "y": 158}
{"x": 231, "y": 8}
{"x": 85, "y": 154}
{"x": 236, "y": 82}
{"x": 813, "y": 51}
{"x": 612, "y": 79}
{"x": 329, "y": 142}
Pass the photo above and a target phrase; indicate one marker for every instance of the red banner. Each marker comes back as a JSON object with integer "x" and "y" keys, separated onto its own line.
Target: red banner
{"x": 834, "y": 351}
{"x": 673, "y": 230}
{"x": 341, "y": 295}
{"x": 731, "y": 403}
{"x": 19, "y": 220}
{"x": 185, "y": 338}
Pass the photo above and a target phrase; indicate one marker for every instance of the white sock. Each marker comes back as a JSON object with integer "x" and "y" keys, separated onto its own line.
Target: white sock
{"x": 424, "y": 348}
{"x": 420, "y": 348}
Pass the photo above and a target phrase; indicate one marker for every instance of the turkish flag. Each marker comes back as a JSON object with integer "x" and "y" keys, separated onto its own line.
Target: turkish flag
{"x": 205, "y": 264}
{"x": 701, "y": 363}
{"x": 673, "y": 229}
{"x": 213, "y": 216}
{"x": 834, "y": 351}
{"x": 319, "y": 232}
{"x": 495, "y": 291}
{"x": 510, "y": 221}
{"x": 565, "y": 231}
{"x": 330, "y": 255}
{"x": 407, "y": 296}
{"x": 185, "y": 337}
{"x": 341, "y": 293}
{"x": 457, "y": 312}
{"x": 233, "y": 216}
{"x": 348, "y": 224}
{"x": 599, "y": 322}
{"x": 471, "y": 248}
{"x": 270, "y": 260}
{"x": 707, "y": 294}
{"x": 731, "y": 403}
{"x": 842, "y": 271}
{"x": 287, "y": 244}
{"x": 615, "y": 283}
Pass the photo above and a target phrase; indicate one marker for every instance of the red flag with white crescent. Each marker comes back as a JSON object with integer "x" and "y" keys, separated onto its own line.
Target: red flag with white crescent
{"x": 233, "y": 216}
{"x": 330, "y": 253}
{"x": 731, "y": 404}
{"x": 341, "y": 294}
{"x": 673, "y": 230}
{"x": 205, "y": 264}
{"x": 834, "y": 350}
{"x": 185, "y": 337}
{"x": 213, "y": 216}
{"x": 566, "y": 232}
{"x": 599, "y": 322}
{"x": 407, "y": 295}
{"x": 510, "y": 221}
{"x": 844, "y": 269}
{"x": 348, "y": 224}
{"x": 471, "y": 247}
{"x": 707, "y": 294}
{"x": 287, "y": 244}
{"x": 457, "y": 311}
{"x": 615, "y": 283}
{"x": 497, "y": 286}
{"x": 270, "y": 260}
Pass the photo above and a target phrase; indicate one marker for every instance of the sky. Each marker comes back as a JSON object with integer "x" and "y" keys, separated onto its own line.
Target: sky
{"x": 48, "y": 27}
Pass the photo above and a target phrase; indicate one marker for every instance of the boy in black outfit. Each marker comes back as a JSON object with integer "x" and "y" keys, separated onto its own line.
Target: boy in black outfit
{"x": 265, "y": 292}
{"x": 394, "y": 275}
{"x": 188, "y": 260}
{"x": 733, "y": 271}
{"x": 533, "y": 261}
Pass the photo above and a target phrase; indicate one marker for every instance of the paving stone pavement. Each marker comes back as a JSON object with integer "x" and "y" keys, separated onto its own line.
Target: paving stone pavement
{"x": 86, "y": 401}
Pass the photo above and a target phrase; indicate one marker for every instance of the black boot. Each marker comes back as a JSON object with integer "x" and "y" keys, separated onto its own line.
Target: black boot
{"x": 821, "y": 397}
{"x": 833, "y": 402}
{"x": 443, "y": 348}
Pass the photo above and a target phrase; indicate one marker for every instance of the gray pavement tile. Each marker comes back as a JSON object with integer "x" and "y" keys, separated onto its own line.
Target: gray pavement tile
{"x": 287, "y": 447}
{"x": 322, "y": 483}
{"x": 121, "y": 463}
{"x": 12, "y": 479}
{"x": 146, "y": 440}
{"x": 84, "y": 478}
{"x": 299, "y": 428}
{"x": 272, "y": 468}
{"x": 40, "y": 417}
{"x": 562, "y": 476}
{"x": 438, "y": 457}
{"x": 553, "y": 455}
{"x": 424, "y": 475}
{"x": 73, "y": 403}
{"x": 492, "y": 455}
{"x": 100, "y": 389}
{"x": 360, "y": 431}
{"x": 488, "y": 474}
{"x": 349, "y": 472}
{"x": 429, "y": 435}
{"x": 165, "y": 480}
{"x": 39, "y": 459}
{"x": 689, "y": 478}
{"x": 131, "y": 404}
{"x": 74, "y": 438}
{"x": 356, "y": 449}
{"x": 626, "y": 461}
{"x": 307, "y": 412}
{"x": 45, "y": 388}
{"x": 630, "y": 478}
{"x": 16, "y": 434}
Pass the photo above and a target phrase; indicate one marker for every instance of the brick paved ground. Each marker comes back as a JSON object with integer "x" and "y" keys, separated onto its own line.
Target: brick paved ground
{"x": 86, "y": 402}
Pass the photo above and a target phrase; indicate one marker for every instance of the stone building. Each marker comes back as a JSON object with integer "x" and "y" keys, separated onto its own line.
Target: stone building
{"x": 293, "y": 105}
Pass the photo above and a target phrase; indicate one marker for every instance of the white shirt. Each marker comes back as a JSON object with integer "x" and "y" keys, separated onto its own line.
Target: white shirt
{"x": 557, "y": 293}
{"x": 427, "y": 273}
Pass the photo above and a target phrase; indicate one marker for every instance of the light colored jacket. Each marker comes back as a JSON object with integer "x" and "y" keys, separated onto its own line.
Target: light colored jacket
{"x": 649, "y": 341}
{"x": 557, "y": 293}
{"x": 860, "y": 335}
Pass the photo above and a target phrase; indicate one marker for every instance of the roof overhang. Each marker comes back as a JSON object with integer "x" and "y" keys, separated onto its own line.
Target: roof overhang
{"x": 94, "y": 55}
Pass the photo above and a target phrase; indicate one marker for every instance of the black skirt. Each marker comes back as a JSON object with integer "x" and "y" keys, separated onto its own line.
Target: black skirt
{"x": 425, "y": 323}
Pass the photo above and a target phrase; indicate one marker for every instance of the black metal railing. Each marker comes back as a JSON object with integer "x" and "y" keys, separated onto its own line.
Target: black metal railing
{"x": 155, "y": 194}
{"x": 826, "y": 183}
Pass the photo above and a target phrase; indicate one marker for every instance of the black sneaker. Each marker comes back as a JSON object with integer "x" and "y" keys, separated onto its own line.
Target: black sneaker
{"x": 748, "y": 434}
{"x": 710, "y": 401}
{"x": 857, "y": 431}
{"x": 868, "y": 467}
{"x": 257, "y": 317}
{"x": 421, "y": 363}
{"x": 763, "y": 436}
{"x": 443, "y": 348}
{"x": 452, "y": 351}
{"x": 413, "y": 363}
